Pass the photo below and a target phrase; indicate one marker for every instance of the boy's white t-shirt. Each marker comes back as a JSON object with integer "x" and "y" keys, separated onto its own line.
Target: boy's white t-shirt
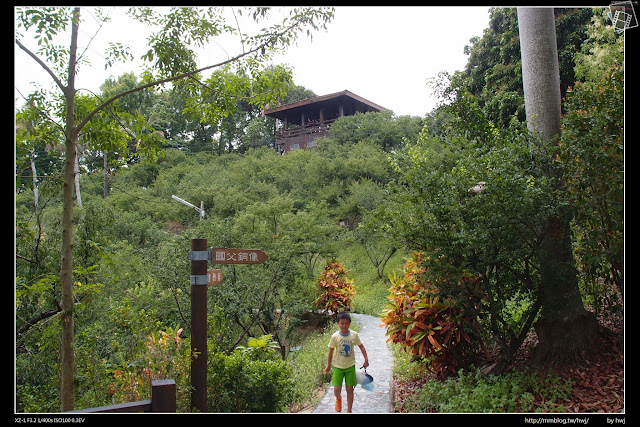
{"x": 344, "y": 354}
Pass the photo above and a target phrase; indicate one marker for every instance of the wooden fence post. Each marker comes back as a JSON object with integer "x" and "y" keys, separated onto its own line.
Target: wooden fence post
{"x": 163, "y": 396}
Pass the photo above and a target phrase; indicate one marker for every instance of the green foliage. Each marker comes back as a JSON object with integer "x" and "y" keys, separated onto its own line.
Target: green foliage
{"x": 592, "y": 155}
{"x": 249, "y": 381}
{"x": 376, "y": 173}
{"x": 35, "y": 136}
{"x": 370, "y": 273}
{"x": 476, "y": 199}
{"x": 493, "y": 73}
{"x": 471, "y": 391}
{"x": 601, "y": 50}
{"x": 308, "y": 362}
{"x": 260, "y": 348}
{"x": 382, "y": 129}
{"x": 133, "y": 271}
{"x": 164, "y": 354}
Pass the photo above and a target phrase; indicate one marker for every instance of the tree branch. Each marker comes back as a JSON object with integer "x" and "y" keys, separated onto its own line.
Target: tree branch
{"x": 267, "y": 293}
{"x": 42, "y": 64}
{"x": 37, "y": 318}
{"x": 260, "y": 47}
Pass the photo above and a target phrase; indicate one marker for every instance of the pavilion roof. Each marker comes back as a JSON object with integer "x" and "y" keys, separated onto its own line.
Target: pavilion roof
{"x": 330, "y": 103}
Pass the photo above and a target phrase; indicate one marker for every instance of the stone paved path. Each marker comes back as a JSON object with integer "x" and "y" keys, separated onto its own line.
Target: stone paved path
{"x": 380, "y": 361}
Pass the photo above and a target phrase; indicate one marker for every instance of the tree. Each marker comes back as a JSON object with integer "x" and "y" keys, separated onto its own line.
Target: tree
{"x": 172, "y": 59}
{"x": 490, "y": 230}
{"x": 592, "y": 154}
{"x": 493, "y": 73}
{"x": 565, "y": 328}
{"x": 35, "y": 138}
{"x": 380, "y": 128}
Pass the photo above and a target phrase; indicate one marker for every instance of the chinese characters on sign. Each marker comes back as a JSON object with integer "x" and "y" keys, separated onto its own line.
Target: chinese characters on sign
{"x": 214, "y": 277}
{"x": 237, "y": 256}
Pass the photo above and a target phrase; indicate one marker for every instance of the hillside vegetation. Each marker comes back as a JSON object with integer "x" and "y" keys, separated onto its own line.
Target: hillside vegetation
{"x": 132, "y": 273}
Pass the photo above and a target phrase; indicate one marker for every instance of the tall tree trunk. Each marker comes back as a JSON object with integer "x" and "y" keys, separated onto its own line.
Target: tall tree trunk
{"x": 35, "y": 182}
{"x": 565, "y": 329}
{"x": 76, "y": 178}
{"x": 67, "y": 396}
{"x": 105, "y": 182}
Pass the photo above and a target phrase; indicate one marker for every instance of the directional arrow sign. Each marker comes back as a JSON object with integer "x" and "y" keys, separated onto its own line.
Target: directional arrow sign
{"x": 214, "y": 277}
{"x": 237, "y": 256}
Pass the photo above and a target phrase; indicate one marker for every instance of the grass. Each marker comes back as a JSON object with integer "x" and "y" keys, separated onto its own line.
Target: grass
{"x": 308, "y": 363}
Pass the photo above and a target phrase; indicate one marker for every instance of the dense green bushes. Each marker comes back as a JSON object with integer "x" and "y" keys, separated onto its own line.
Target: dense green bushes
{"x": 472, "y": 391}
{"x": 251, "y": 379}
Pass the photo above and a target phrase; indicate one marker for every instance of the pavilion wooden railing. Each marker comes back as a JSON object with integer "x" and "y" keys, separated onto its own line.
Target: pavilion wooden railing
{"x": 163, "y": 399}
{"x": 309, "y": 128}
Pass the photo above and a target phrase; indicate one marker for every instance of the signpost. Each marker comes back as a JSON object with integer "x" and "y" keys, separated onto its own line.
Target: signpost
{"x": 214, "y": 277}
{"x": 198, "y": 324}
{"x": 200, "y": 278}
{"x": 237, "y": 256}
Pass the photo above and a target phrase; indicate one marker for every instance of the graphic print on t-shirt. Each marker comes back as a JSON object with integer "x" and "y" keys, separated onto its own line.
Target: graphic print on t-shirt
{"x": 345, "y": 349}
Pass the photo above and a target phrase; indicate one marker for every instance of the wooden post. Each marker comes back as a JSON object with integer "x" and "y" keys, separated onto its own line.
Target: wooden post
{"x": 199, "y": 324}
{"x": 163, "y": 396}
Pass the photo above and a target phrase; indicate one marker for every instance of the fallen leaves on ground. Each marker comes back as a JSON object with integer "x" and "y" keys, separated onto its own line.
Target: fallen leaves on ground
{"x": 598, "y": 385}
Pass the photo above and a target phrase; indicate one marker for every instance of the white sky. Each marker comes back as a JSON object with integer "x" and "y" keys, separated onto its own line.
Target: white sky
{"x": 384, "y": 54}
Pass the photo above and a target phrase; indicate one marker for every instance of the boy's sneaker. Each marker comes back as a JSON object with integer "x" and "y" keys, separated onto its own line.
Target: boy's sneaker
{"x": 338, "y": 405}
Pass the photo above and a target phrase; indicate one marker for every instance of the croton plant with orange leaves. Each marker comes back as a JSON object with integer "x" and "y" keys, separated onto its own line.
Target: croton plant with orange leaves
{"x": 336, "y": 290}
{"x": 434, "y": 327}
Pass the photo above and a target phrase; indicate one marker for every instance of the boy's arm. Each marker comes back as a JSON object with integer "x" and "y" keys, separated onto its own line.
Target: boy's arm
{"x": 364, "y": 353}
{"x": 328, "y": 368}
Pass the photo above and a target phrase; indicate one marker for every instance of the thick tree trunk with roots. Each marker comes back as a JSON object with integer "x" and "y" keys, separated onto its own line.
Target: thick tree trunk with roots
{"x": 565, "y": 329}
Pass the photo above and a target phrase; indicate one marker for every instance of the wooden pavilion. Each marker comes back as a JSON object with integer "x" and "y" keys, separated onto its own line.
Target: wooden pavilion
{"x": 304, "y": 121}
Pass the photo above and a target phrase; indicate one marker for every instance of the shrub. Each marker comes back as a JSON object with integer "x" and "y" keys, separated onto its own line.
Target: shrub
{"x": 430, "y": 325}
{"x": 249, "y": 380}
{"x": 472, "y": 392}
{"x": 165, "y": 355}
{"x": 337, "y": 290}
{"x": 592, "y": 155}
{"x": 261, "y": 348}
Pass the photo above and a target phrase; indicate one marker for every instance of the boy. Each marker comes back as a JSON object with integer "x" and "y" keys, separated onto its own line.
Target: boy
{"x": 343, "y": 342}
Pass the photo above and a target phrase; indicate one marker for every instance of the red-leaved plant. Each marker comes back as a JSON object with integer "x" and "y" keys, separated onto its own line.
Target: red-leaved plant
{"x": 336, "y": 290}
{"x": 432, "y": 327}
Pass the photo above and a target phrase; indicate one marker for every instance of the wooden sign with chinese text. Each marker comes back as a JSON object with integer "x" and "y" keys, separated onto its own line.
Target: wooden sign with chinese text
{"x": 237, "y": 256}
{"x": 214, "y": 277}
